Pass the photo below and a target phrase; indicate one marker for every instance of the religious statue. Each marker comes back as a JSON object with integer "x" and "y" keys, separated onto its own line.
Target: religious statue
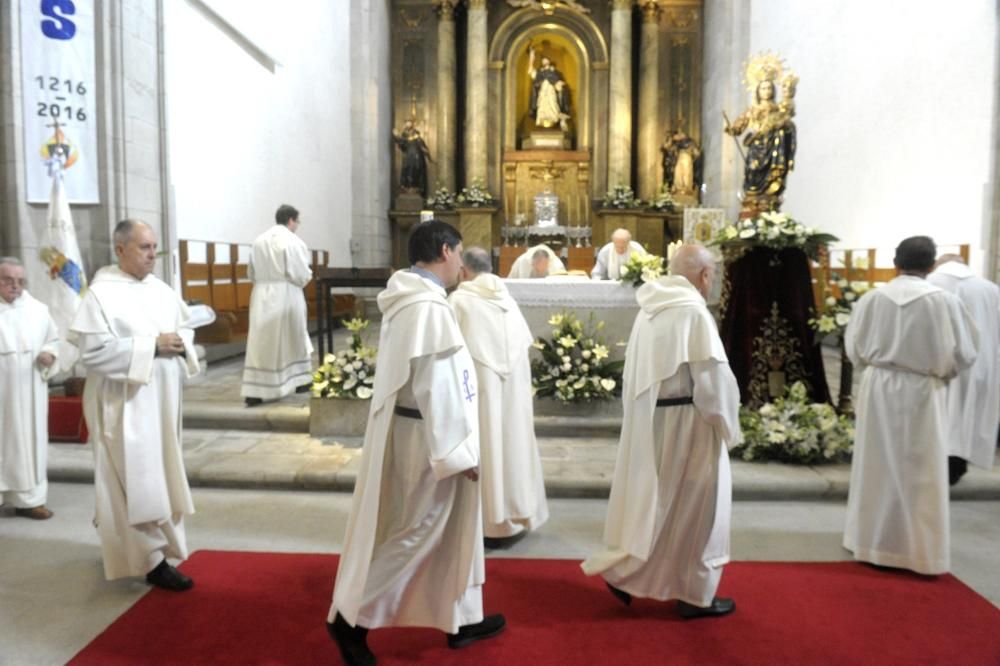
{"x": 413, "y": 174}
{"x": 549, "y": 93}
{"x": 681, "y": 164}
{"x": 770, "y": 138}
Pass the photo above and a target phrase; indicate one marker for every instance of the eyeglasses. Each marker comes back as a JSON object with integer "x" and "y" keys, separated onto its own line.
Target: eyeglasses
{"x": 10, "y": 282}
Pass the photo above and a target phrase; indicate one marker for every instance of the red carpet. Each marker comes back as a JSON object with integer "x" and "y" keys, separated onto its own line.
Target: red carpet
{"x": 268, "y": 608}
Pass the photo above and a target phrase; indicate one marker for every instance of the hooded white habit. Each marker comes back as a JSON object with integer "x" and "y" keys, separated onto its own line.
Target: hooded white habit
{"x": 521, "y": 268}
{"x": 510, "y": 470}
{"x": 667, "y": 528}
{"x": 413, "y": 552}
{"x": 908, "y": 339}
{"x": 609, "y": 262}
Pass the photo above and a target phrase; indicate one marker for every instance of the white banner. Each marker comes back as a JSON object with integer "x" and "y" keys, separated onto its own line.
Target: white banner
{"x": 58, "y": 89}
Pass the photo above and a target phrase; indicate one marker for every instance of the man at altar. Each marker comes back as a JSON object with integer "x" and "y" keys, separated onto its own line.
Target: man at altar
{"x": 536, "y": 262}
{"x": 498, "y": 338}
{"x": 413, "y": 551}
{"x": 909, "y": 339}
{"x": 612, "y": 257}
{"x": 667, "y": 528}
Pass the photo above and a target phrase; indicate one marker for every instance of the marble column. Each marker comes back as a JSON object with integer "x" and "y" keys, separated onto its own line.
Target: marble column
{"x": 476, "y": 86}
{"x": 650, "y": 172}
{"x": 445, "y": 130}
{"x": 620, "y": 96}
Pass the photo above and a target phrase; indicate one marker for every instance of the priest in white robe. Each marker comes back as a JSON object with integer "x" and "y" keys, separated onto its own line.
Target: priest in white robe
{"x": 279, "y": 352}
{"x": 612, "y": 257}
{"x": 28, "y": 349}
{"x": 667, "y": 528}
{"x": 413, "y": 552}
{"x": 908, "y": 339}
{"x": 537, "y": 262}
{"x": 974, "y": 396}
{"x": 498, "y": 338}
{"x": 135, "y": 343}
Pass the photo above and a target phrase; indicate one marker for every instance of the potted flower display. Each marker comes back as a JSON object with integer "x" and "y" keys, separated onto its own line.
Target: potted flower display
{"x": 342, "y": 387}
{"x": 640, "y": 269}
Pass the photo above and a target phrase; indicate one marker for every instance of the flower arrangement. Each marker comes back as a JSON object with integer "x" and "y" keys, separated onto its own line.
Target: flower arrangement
{"x": 774, "y": 230}
{"x": 838, "y": 306}
{"x": 793, "y": 430}
{"x": 574, "y": 365}
{"x": 349, "y": 373}
{"x": 475, "y": 194}
{"x": 442, "y": 199}
{"x": 621, "y": 196}
{"x": 663, "y": 201}
{"x": 640, "y": 269}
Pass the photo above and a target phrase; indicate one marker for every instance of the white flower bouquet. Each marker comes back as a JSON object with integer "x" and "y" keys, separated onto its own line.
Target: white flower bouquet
{"x": 349, "y": 373}
{"x": 663, "y": 201}
{"x": 640, "y": 269}
{"x": 474, "y": 195}
{"x": 837, "y": 309}
{"x": 442, "y": 199}
{"x": 621, "y": 196}
{"x": 574, "y": 365}
{"x": 774, "y": 230}
{"x": 793, "y": 430}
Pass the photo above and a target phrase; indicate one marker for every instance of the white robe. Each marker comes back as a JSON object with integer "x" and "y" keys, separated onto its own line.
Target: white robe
{"x": 667, "y": 529}
{"x": 26, "y": 330}
{"x": 413, "y": 551}
{"x": 609, "y": 262}
{"x": 510, "y": 470}
{"x": 278, "y": 357}
{"x": 974, "y": 397}
{"x": 132, "y": 403}
{"x": 908, "y": 339}
{"x": 521, "y": 268}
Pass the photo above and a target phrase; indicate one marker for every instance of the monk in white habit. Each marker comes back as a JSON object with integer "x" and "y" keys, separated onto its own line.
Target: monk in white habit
{"x": 413, "y": 552}
{"x": 974, "y": 396}
{"x": 135, "y": 343}
{"x": 28, "y": 349}
{"x": 498, "y": 337}
{"x": 612, "y": 257}
{"x": 278, "y": 358}
{"x": 667, "y": 529}
{"x": 908, "y": 339}
{"x": 537, "y": 262}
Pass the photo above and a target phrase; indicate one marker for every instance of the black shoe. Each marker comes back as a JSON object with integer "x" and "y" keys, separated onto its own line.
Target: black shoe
{"x": 169, "y": 578}
{"x": 470, "y": 633}
{"x": 719, "y": 606}
{"x": 620, "y": 595}
{"x": 305, "y": 388}
{"x": 503, "y": 543}
{"x": 252, "y": 402}
{"x": 351, "y": 641}
{"x": 957, "y": 467}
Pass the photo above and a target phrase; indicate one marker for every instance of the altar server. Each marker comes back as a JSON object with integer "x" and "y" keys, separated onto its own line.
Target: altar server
{"x": 278, "y": 358}
{"x": 908, "y": 339}
{"x": 667, "y": 529}
{"x": 612, "y": 257}
{"x": 413, "y": 552}
{"x": 537, "y": 262}
{"x": 136, "y": 345}
{"x": 28, "y": 349}
{"x": 498, "y": 338}
{"x": 974, "y": 396}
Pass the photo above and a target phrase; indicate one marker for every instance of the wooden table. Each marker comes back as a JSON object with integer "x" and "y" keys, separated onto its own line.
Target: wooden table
{"x": 328, "y": 278}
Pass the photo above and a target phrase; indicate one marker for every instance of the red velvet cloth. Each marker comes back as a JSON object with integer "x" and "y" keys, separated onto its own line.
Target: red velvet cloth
{"x": 66, "y": 423}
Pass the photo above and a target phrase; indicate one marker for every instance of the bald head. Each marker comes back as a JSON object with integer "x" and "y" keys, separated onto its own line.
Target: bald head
{"x": 621, "y": 238}
{"x": 476, "y": 261}
{"x": 945, "y": 258}
{"x": 695, "y": 263}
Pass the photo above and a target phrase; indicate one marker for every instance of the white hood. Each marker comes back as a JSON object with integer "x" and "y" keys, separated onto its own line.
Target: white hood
{"x": 906, "y": 289}
{"x": 495, "y": 330}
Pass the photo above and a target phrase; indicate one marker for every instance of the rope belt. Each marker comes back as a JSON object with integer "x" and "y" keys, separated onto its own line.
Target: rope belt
{"x": 674, "y": 402}
{"x": 408, "y": 412}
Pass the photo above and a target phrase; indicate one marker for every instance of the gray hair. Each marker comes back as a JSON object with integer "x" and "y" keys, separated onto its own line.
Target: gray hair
{"x": 11, "y": 261}
{"x": 621, "y": 233}
{"x": 477, "y": 260}
{"x": 539, "y": 254}
{"x": 690, "y": 260}
{"x": 123, "y": 230}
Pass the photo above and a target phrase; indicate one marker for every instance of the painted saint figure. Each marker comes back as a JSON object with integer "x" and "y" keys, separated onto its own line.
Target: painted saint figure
{"x": 549, "y": 93}
{"x": 413, "y": 175}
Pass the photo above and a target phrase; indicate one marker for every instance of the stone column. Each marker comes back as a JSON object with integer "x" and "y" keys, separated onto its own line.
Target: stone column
{"x": 620, "y": 97}
{"x": 476, "y": 85}
{"x": 446, "y": 93}
{"x": 648, "y": 163}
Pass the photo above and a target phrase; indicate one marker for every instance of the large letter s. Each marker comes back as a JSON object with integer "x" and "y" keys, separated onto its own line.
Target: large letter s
{"x": 57, "y": 26}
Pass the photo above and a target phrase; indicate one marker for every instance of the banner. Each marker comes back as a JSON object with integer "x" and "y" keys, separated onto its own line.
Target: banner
{"x": 59, "y": 101}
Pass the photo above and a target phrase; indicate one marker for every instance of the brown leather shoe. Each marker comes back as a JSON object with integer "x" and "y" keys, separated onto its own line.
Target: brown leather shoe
{"x": 36, "y": 513}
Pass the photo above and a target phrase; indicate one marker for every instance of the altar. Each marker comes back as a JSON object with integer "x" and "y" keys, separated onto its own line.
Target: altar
{"x": 607, "y": 300}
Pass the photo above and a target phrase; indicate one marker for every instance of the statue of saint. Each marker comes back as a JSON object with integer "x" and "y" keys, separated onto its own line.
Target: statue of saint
{"x": 681, "y": 167}
{"x": 413, "y": 174}
{"x": 549, "y": 93}
{"x": 770, "y": 138}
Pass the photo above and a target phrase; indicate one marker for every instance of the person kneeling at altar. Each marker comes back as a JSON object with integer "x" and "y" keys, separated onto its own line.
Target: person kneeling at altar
{"x": 613, "y": 256}
{"x": 536, "y": 262}
{"x": 498, "y": 338}
{"x": 667, "y": 528}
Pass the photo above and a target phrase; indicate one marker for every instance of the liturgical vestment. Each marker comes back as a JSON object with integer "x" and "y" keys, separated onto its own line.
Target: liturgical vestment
{"x": 413, "y": 551}
{"x": 26, "y": 330}
{"x": 278, "y": 357}
{"x": 521, "y": 268}
{"x": 667, "y": 529}
{"x": 132, "y": 403}
{"x": 510, "y": 470}
{"x": 908, "y": 339}
{"x": 974, "y": 396}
